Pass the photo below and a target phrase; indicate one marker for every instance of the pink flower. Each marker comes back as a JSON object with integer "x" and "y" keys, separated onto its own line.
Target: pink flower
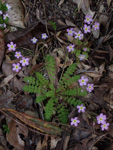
{"x": 104, "y": 126}
{"x": 96, "y": 26}
{"x": 16, "y": 67}
{"x": 8, "y": 6}
{"x": 1, "y": 12}
{"x": 24, "y": 61}
{"x": 90, "y": 87}
{"x": 75, "y": 121}
{"x": 82, "y": 57}
{"x": 18, "y": 54}
{"x": 70, "y": 48}
{"x": 5, "y": 16}
{"x": 101, "y": 119}
{"x": 11, "y": 46}
{"x": 88, "y": 19}
{"x": 83, "y": 81}
{"x": 34, "y": 40}
{"x": 70, "y": 31}
{"x": 81, "y": 108}
{"x": 85, "y": 49}
{"x": 44, "y": 36}
{"x": 78, "y": 35}
{"x": 86, "y": 29}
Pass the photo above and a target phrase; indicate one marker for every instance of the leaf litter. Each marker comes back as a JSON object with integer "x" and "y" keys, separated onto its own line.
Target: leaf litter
{"x": 32, "y": 20}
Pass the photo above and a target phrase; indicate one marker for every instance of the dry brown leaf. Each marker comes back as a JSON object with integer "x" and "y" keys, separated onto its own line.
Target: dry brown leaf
{"x": 14, "y": 135}
{"x": 108, "y": 2}
{"x": 16, "y": 13}
{"x": 61, "y": 2}
{"x": 6, "y": 99}
{"x": 42, "y": 145}
{"x": 69, "y": 23}
{"x": 103, "y": 19}
{"x": 66, "y": 141}
{"x": 93, "y": 74}
{"x": 2, "y": 46}
{"x": 6, "y": 80}
{"x": 96, "y": 33}
{"x": 84, "y": 5}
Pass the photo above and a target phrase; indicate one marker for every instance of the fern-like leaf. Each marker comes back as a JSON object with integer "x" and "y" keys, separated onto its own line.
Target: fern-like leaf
{"x": 40, "y": 98}
{"x": 50, "y": 66}
{"x": 62, "y": 114}
{"x": 41, "y": 79}
{"x": 49, "y": 109}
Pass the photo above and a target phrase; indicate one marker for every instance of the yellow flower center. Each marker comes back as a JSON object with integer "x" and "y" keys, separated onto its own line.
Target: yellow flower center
{"x": 86, "y": 29}
{"x": 12, "y": 46}
{"x": 75, "y": 121}
{"x": 100, "y": 119}
{"x": 95, "y": 26}
{"x": 81, "y": 108}
{"x": 87, "y": 19}
{"x": 82, "y": 80}
{"x": 24, "y": 61}
{"x": 70, "y": 47}
{"x": 16, "y": 67}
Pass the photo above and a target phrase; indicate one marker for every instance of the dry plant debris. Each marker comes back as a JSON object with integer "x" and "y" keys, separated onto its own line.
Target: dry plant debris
{"x": 56, "y": 76}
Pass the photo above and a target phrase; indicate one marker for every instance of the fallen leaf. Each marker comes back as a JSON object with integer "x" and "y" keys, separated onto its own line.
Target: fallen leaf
{"x": 6, "y": 99}
{"x": 110, "y": 52}
{"x": 40, "y": 125}
{"x": 2, "y": 46}
{"x": 96, "y": 33}
{"x": 6, "y": 80}
{"x": 61, "y": 2}
{"x": 84, "y": 5}
{"x": 108, "y": 2}
{"x": 16, "y": 13}
{"x": 42, "y": 145}
{"x": 14, "y": 135}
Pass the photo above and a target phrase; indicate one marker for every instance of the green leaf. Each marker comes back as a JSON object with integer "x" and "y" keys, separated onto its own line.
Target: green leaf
{"x": 50, "y": 94}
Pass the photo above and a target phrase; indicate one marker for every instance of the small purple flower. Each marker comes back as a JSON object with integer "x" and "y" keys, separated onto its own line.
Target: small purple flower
{"x": 85, "y": 49}
{"x": 18, "y": 54}
{"x": 16, "y": 67}
{"x": 88, "y": 19}
{"x": 81, "y": 108}
{"x": 83, "y": 81}
{"x": 78, "y": 35}
{"x": 1, "y": 12}
{"x": 82, "y": 57}
{"x": 11, "y": 46}
{"x": 1, "y": 25}
{"x": 96, "y": 26}
{"x": 34, "y": 40}
{"x": 24, "y": 61}
{"x": 5, "y": 16}
{"x": 104, "y": 126}
{"x": 8, "y": 6}
{"x": 75, "y": 121}
{"x": 90, "y": 87}
{"x": 44, "y": 36}
{"x": 70, "y": 48}
{"x": 101, "y": 118}
{"x": 4, "y": 25}
{"x": 86, "y": 29}
{"x": 70, "y": 31}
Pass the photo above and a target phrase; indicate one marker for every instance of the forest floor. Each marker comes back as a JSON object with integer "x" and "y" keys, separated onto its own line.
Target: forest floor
{"x": 56, "y": 76}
